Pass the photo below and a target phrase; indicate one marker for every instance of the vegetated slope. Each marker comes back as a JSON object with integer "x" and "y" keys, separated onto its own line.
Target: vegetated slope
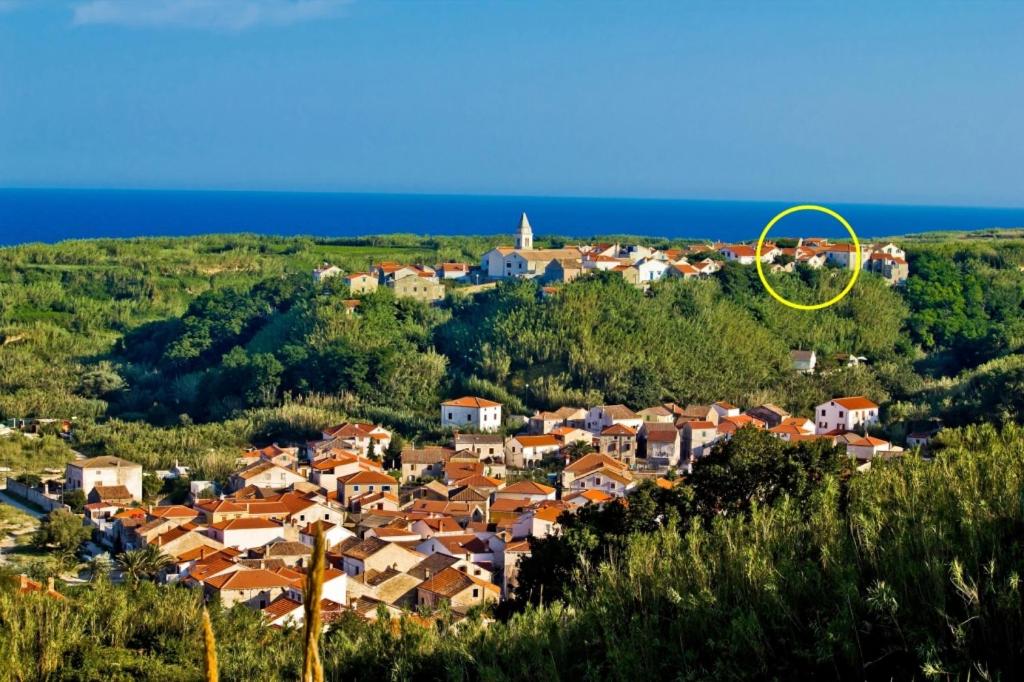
{"x": 909, "y": 571}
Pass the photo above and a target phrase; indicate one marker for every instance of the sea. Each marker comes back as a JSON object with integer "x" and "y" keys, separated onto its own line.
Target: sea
{"x": 53, "y": 215}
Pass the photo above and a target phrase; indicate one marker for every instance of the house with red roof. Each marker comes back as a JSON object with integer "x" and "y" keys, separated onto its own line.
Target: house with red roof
{"x": 597, "y": 472}
{"x": 246, "y": 533}
{"x": 526, "y": 451}
{"x": 256, "y": 588}
{"x": 853, "y": 413}
{"x": 618, "y": 441}
{"x": 470, "y": 412}
{"x": 459, "y": 590}
{"x": 526, "y": 489}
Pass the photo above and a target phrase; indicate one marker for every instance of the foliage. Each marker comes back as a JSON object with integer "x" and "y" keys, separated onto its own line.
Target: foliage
{"x": 61, "y": 529}
{"x": 908, "y": 571}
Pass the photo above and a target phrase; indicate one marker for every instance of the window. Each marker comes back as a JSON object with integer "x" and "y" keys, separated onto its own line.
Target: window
{"x": 476, "y": 592}
{"x": 449, "y": 415}
{"x": 823, "y": 413}
{"x": 355, "y": 488}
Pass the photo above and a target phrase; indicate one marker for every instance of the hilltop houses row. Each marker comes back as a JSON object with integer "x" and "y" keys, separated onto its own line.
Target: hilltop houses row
{"x": 638, "y": 264}
{"x": 641, "y": 265}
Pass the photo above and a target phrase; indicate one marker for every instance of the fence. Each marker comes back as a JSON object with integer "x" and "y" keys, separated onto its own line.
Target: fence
{"x": 21, "y": 490}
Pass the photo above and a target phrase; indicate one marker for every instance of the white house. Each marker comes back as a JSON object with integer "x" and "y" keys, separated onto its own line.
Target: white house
{"x": 105, "y": 471}
{"x": 662, "y": 443}
{"x": 651, "y": 270}
{"x": 724, "y": 409}
{"x": 471, "y": 412}
{"x": 325, "y": 271}
{"x": 845, "y": 414}
{"x": 602, "y": 416}
{"x": 597, "y": 472}
{"x": 804, "y": 361}
{"x": 334, "y": 533}
{"x": 739, "y": 253}
{"x": 246, "y": 533}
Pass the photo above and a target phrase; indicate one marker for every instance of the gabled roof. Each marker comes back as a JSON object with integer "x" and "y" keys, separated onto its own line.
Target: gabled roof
{"x": 592, "y": 495}
{"x": 857, "y": 402}
{"x": 367, "y": 477}
{"x": 510, "y": 504}
{"x": 593, "y": 461}
{"x": 450, "y": 581}
{"x": 546, "y": 440}
{"x": 527, "y": 487}
{"x": 112, "y": 492}
{"x": 281, "y": 606}
{"x": 618, "y": 412}
{"x": 250, "y": 579}
{"x": 174, "y": 511}
{"x": 431, "y": 454}
{"x": 618, "y": 430}
{"x": 102, "y": 462}
{"x": 471, "y": 401}
{"x": 246, "y": 524}
{"x": 662, "y": 435}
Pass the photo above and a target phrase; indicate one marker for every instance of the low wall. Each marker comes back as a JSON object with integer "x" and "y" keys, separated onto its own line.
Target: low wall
{"x": 34, "y": 496}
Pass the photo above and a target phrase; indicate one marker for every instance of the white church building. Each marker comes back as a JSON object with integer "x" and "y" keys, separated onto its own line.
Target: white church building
{"x": 523, "y": 260}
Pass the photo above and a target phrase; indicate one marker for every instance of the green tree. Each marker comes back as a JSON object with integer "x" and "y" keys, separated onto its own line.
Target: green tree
{"x": 63, "y": 530}
{"x": 76, "y": 500}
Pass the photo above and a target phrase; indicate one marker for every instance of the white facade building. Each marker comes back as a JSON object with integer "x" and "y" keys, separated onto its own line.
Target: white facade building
{"x": 86, "y": 474}
{"x": 845, "y": 414}
{"x": 471, "y": 413}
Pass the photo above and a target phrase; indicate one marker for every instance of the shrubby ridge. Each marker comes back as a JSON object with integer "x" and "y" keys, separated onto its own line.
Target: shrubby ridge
{"x": 770, "y": 559}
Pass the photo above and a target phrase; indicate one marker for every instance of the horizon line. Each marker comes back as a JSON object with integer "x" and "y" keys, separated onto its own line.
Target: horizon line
{"x": 485, "y": 195}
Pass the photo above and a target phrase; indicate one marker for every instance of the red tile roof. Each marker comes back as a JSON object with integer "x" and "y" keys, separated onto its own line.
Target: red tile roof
{"x": 857, "y": 402}
{"x": 471, "y": 401}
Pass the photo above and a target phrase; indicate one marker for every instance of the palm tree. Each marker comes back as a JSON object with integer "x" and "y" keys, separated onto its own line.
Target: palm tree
{"x": 156, "y": 561}
{"x": 577, "y": 449}
{"x": 133, "y": 564}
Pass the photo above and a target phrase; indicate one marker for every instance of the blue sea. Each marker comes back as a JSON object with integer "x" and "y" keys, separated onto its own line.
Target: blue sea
{"x": 51, "y": 215}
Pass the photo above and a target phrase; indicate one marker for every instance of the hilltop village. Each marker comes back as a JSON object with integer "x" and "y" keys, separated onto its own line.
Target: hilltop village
{"x": 426, "y": 526}
{"x": 638, "y": 264}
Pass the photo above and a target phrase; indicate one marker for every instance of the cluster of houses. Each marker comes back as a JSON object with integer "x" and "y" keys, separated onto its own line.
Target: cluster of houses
{"x": 641, "y": 265}
{"x": 638, "y": 264}
{"x": 655, "y": 439}
{"x": 449, "y": 526}
{"x": 420, "y": 282}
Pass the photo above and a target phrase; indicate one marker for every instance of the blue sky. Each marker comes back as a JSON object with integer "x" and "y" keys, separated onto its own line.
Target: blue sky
{"x": 878, "y": 102}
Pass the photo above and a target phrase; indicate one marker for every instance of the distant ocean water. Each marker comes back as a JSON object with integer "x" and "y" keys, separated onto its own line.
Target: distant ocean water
{"x": 51, "y": 215}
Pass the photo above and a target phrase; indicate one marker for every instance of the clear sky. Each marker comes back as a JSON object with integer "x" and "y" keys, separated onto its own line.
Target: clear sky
{"x": 906, "y": 102}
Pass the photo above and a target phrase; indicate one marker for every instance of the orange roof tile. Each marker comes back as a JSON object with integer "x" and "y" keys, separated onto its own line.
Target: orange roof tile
{"x": 471, "y": 401}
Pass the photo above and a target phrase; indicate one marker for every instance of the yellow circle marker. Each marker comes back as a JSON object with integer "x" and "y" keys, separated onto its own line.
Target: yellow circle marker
{"x": 803, "y": 306}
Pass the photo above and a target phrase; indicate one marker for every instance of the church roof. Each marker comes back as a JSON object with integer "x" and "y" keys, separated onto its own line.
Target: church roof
{"x": 524, "y": 223}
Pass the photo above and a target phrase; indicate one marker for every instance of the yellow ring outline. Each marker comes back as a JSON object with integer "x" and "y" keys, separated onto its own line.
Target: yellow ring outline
{"x": 802, "y": 306}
